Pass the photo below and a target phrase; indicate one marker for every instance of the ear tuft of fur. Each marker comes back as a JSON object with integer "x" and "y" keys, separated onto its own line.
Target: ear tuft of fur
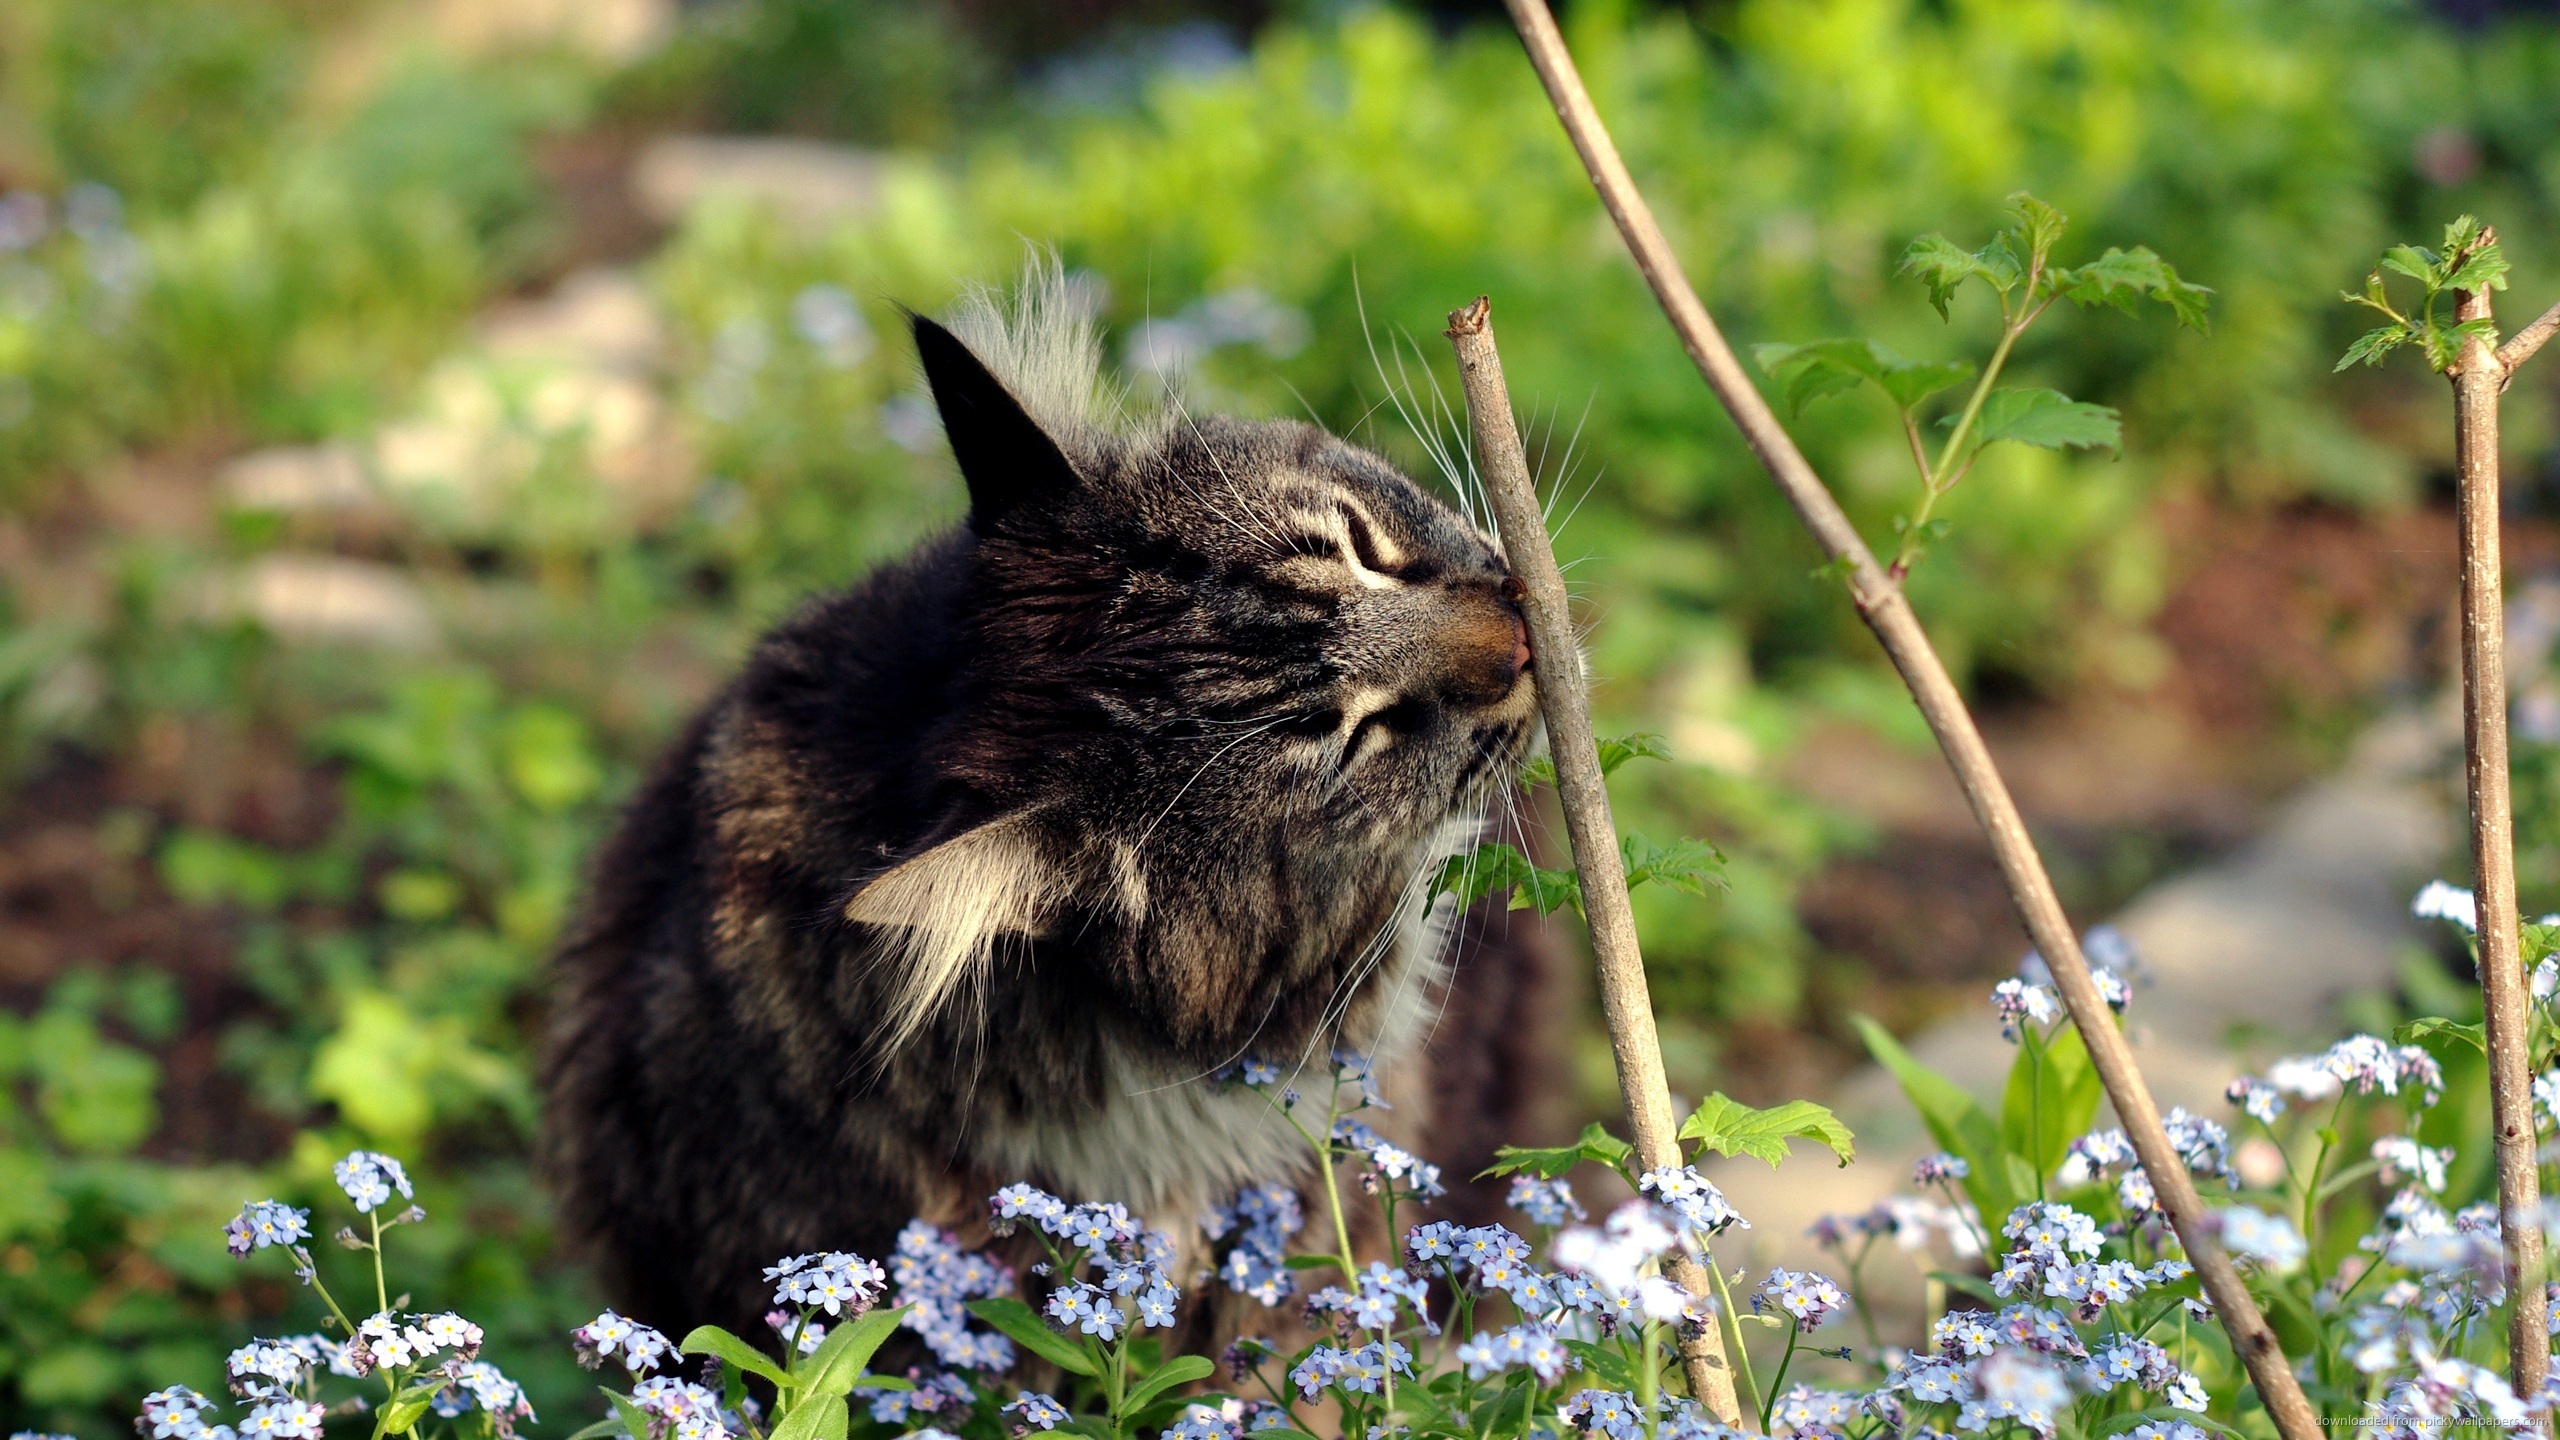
{"x": 942, "y": 914}
{"x": 1043, "y": 341}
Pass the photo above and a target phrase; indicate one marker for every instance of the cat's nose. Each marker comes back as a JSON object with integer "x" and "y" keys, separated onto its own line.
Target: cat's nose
{"x": 1483, "y": 644}
{"x": 1516, "y": 593}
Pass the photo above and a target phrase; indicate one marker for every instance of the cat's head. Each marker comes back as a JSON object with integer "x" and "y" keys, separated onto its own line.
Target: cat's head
{"x": 1234, "y": 689}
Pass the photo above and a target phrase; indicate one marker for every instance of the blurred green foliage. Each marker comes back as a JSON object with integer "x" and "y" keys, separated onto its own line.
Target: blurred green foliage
{"x": 276, "y": 242}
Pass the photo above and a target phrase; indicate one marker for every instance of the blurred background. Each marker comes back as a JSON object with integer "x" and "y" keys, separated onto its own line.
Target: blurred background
{"x": 411, "y": 409}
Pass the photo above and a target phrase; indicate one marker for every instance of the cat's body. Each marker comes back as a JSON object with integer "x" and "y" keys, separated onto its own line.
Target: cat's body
{"x": 983, "y": 867}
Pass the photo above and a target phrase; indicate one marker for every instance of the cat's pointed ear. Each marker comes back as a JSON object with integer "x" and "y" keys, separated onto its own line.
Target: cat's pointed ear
{"x": 943, "y": 912}
{"x": 1004, "y": 454}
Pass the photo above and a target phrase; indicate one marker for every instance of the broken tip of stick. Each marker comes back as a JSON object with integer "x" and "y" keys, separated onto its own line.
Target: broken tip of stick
{"x": 1472, "y": 319}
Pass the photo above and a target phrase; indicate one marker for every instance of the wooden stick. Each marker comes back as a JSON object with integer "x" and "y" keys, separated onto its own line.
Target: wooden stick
{"x": 2521, "y": 345}
{"x": 1888, "y": 613}
{"x": 1564, "y": 695}
{"x": 2478, "y": 377}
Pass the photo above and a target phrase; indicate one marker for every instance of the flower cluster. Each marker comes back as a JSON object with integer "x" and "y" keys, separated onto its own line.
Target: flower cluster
{"x": 1373, "y": 1305}
{"x": 1358, "y": 1372}
{"x": 1535, "y": 1348}
{"x": 2361, "y": 1062}
{"x": 841, "y": 1284}
{"x": 1130, "y": 1285}
{"x": 2023, "y": 1002}
{"x": 638, "y": 1348}
{"x": 1684, "y": 1192}
{"x": 1804, "y": 1297}
{"x": 936, "y": 1279}
{"x": 1262, "y": 1218}
{"x": 369, "y": 1178}
{"x": 262, "y": 1223}
{"x": 1385, "y": 1167}
{"x": 1545, "y": 1202}
{"x": 1909, "y": 1221}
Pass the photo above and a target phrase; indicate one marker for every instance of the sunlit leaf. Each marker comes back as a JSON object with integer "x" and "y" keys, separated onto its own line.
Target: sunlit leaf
{"x": 1691, "y": 865}
{"x": 1729, "y": 1127}
{"x": 1595, "y": 1143}
{"x": 1826, "y": 367}
{"x": 2044, "y": 418}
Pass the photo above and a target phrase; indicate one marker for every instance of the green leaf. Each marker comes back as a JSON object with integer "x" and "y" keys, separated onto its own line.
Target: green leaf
{"x": 1031, "y": 1332}
{"x": 2483, "y": 269}
{"x": 1604, "y": 1361}
{"x": 837, "y": 1363}
{"x": 1729, "y": 1127}
{"x": 1502, "y": 870}
{"x": 2035, "y": 222}
{"x": 1954, "y": 1119}
{"x": 2418, "y": 263}
{"x": 1614, "y": 752}
{"x": 635, "y": 1421}
{"x": 1827, "y": 367}
{"x": 1944, "y": 266}
{"x": 2043, "y": 418}
{"x": 2051, "y": 1098}
{"x": 818, "y": 1417}
{"x": 610, "y": 1425}
{"x": 2475, "y": 1035}
{"x": 2122, "y": 278}
{"x": 1180, "y": 1370}
{"x": 735, "y": 1353}
{"x": 401, "y": 1416}
{"x": 1595, "y": 1143}
{"x": 1693, "y": 866}
{"x": 2373, "y": 344}
{"x": 2443, "y": 343}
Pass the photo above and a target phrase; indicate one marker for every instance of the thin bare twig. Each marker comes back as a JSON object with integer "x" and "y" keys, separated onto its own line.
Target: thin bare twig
{"x": 1564, "y": 695}
{"x": 2521, "y": 345}
{"x": 2478, "y": 377}
{"x": 1888, "y": 613}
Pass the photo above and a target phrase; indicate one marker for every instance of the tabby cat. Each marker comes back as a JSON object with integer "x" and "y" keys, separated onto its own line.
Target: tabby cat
{"x": 984, "y": 866}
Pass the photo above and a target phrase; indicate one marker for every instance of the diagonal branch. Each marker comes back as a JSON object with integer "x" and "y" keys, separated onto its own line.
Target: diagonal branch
{"x": 1564, "y": 697}
{"x": 2521, "y": 345}
{"x": 1888, "y": 613}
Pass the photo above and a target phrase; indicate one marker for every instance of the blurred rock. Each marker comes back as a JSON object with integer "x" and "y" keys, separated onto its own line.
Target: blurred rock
{"x": 810, "y": 183}
{"x": 327, "y": 598}
{"x": 298, "y": 479}
{"x": 615, "y": 31}
{"x": 592, "y": 317}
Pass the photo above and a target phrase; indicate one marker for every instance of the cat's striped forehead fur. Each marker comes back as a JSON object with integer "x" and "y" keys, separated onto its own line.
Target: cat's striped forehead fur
{"x": 1230, "y": 682}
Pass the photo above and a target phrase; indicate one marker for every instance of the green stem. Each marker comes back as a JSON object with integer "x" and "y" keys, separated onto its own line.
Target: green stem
{"x": 381, "y": 1292}
{"x": 1769, "y": 1402}
{"x": 1649, "y": 1376}
{"x": 1936, "y": 479}
{"x": 1732, "y": 1322}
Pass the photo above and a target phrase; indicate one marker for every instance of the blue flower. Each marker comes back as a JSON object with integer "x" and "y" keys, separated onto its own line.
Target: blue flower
{"x": 1691, "y": 1196}
{"x": 262, "y": 1223}
{"x": 1155, "y": 1307}
{"x": 834, "y": 1281}
{"x": 1604, "y": 1412}
{"x": 1545, "y": 1202}
{"x": 1031, "y": 1410}
{"x": 369, "y": 1177}
{"x": 641, "y": 1348}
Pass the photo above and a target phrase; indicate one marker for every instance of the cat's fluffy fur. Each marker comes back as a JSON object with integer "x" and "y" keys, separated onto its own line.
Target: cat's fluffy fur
{"x": 983, "y": 866}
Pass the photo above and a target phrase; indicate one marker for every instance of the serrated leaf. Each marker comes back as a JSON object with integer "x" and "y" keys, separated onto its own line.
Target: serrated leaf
{"x": 1595, "y": 1143}
{"x": 735, "y": 1353}
{"x": 1486, "y": 870}
{"x": 1729, "y": 1127}
{"x": 1827, "y": 367}
{"x": 2418, "y": 263}
{"x": 2122, "y": 278}
{"x": 1943, "y": 266}
{"x": 1180, "y": 1370}
{"x": 2036, "y": 222}
{"x": 2045, "y": 418}
{"x": 2372, "y": 345}
{"x": 837, "y": 1363}
{"x": 1618, "y": 750}
{"x": 1027, "y": 1329}
{"x": 2484, "y": 268}
{"x": 1688, "y": 865}
{"x": 2444, "y": 343}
